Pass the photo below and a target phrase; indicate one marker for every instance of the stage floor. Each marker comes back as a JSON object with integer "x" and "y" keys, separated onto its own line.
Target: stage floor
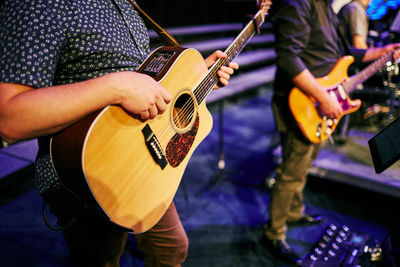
{"x": 348, "y": 160}
{"x": 351, "y": 163}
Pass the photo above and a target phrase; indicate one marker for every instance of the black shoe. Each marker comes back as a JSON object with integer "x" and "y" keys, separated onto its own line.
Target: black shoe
{"x": 307, "y": 220}
{"x": 282, "y": 250}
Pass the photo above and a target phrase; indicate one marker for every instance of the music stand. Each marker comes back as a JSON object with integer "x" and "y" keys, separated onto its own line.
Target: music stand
{"x": 221, "y": 173}
{"x": 385, "y": 146}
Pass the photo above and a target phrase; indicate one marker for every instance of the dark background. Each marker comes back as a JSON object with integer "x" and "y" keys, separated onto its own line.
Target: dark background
{"x": 170, "y": 13}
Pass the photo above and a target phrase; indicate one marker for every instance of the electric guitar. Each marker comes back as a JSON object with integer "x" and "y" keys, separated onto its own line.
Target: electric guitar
{"x": 316, "y": 127}
{"x": 129, "y": 170}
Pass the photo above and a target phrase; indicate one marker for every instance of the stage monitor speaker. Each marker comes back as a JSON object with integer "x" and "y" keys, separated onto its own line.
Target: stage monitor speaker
{"x": 385, "y": 146}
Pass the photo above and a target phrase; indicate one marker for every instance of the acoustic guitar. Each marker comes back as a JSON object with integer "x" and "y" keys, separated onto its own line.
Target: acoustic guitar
{"x": 316, "y": 127}
{"x": 129, "y": 170}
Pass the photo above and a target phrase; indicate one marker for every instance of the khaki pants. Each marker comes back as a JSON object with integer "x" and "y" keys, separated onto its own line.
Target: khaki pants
{"x": 291, "y": 175}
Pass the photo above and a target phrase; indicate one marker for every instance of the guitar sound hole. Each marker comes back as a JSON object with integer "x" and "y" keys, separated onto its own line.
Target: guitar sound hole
{"x": 183, "y": 111}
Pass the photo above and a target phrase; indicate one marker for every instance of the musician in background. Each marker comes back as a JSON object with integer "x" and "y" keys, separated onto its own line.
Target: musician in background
{"x": 59, "y": 62}
{"x": 354, "y": 29}
{"x": 307, "y": 45}
{"x": 354, "y": 23}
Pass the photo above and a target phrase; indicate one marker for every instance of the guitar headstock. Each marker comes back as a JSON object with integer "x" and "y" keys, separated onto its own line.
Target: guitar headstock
{"x": 264, "y": 6}
{"x": 259, "y": 18}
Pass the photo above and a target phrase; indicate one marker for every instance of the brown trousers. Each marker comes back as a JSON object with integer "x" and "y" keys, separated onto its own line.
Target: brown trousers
{"x": 94, "y": 241}
{"x": 286, "y": 202}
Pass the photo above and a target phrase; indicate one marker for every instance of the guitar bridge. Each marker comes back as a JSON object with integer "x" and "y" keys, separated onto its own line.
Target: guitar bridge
{"x": 154, "y": 147}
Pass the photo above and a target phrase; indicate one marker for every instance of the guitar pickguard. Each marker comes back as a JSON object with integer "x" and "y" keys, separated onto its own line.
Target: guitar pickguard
{"x": 180, "y": 144}
{"x": 341, "y": 98}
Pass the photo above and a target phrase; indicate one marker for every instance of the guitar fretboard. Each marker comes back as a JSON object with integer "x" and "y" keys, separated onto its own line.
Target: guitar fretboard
{"x": 366, "y": 73}
{"x": 211, "y": 79}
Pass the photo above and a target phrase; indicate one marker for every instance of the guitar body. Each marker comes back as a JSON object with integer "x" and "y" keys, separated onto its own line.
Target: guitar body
{"x": 130, "y": 169}
{"x": 304, "y": 108}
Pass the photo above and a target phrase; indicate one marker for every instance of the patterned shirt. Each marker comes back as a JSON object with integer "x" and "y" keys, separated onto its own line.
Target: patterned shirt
{"x": 52, "y": 42}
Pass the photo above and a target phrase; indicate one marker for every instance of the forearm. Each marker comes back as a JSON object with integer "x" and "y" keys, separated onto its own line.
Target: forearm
{"x": 327, "y": 105}
{"x": 27, "y": 113}
{"x": 307, "y": 83}
{"x": 376, "y": 52}
{"x": 359, "y": 42}
{"x": 373, "y": 53}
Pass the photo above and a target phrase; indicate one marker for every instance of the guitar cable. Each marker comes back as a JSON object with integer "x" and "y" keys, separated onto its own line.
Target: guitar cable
{"x": 54, "y": 228}
{"x": 71, "y": 222}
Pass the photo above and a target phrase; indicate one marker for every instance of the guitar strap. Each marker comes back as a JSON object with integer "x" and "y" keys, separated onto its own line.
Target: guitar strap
{"x": 164, "y": 35}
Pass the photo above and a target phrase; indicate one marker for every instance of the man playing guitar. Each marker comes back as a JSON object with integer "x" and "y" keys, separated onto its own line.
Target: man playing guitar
{"x": 307, "y": 46}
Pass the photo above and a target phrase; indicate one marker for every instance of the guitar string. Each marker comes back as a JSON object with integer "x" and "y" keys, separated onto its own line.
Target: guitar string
{"x": 364, "y": 74}
{"x": 209, "y": 82}
{"x": 245, "y": 36}
{"x": 201, "y": 90}
{"x": 207, "y": 85}
{"x": 247, "y": 33}
{"x": 185, "y": 114}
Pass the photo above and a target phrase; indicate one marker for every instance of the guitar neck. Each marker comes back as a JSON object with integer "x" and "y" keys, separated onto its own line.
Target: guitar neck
{"x": 366, "y": 73}
{"x": 211, "y": 79}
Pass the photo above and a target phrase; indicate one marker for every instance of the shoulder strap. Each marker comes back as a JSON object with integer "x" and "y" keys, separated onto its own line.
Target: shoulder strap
{"x": 164, "y": 35}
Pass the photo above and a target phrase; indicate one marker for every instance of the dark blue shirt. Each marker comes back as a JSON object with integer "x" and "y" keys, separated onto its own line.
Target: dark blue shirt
{"x": 306, "y": 34}
{"x": 52, "y": 42}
